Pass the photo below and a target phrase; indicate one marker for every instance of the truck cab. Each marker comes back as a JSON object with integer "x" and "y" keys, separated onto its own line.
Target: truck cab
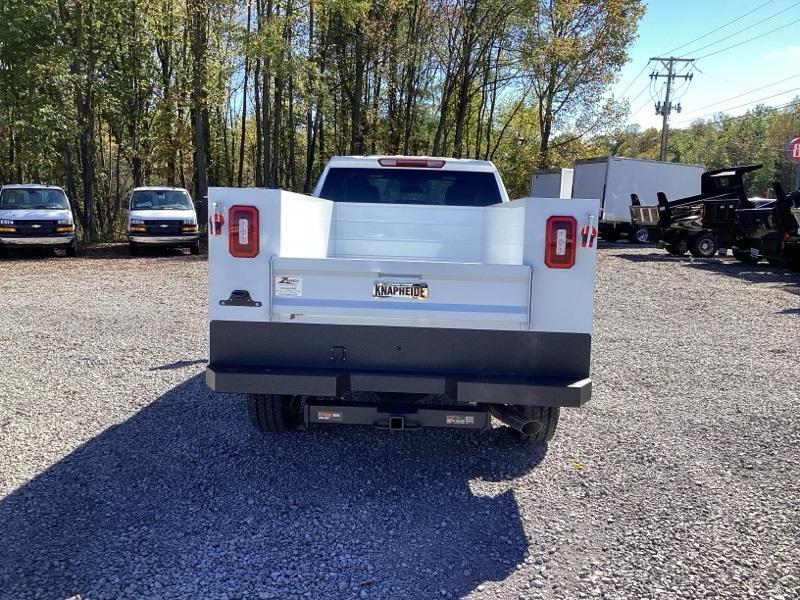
{"x": 412, "y": 278}
{"x": 36, "y": 216}
{"x": 162, "y": 217}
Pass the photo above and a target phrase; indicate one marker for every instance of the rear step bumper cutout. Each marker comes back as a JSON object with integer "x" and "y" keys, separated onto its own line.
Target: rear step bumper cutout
{"x": 395, "y": 418}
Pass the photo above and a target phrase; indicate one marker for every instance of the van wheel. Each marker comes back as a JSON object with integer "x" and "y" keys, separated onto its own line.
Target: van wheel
{"x": 72, "y": 250}
{"x": 547, "y": 416}
{"x": 274, "y": 412}
{"x": 703, "y": 246}
{"x": 194, "y": 249}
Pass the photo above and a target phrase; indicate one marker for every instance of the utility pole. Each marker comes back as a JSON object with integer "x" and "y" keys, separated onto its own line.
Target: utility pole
{"x": 665, "y": 108}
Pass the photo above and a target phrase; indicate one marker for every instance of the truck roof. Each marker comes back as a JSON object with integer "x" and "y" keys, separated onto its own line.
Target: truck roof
{"x": 374, "y": 161}
{"x": 156, "y": 188}
{"x": 11, "y": 186}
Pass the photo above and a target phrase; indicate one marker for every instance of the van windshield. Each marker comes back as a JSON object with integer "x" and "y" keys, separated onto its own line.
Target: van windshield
{"x": 411, "y": 186}
{"x": 160, "y": 200}
{"x": 33, "y": 198}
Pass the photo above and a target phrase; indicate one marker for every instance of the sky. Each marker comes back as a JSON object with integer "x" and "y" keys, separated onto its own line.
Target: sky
{"x": 724, "y": 81}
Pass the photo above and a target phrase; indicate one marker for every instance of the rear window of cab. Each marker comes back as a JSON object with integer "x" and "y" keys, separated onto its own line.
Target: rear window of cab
{"x": 410, "y": 186}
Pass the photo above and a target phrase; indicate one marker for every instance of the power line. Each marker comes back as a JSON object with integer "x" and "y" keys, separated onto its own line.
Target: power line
{"x": 723, "y": 26}
{"x": 794, "y": 104}
{"x": 749, "y": 40}
{"x": 635, "y": 77}
{"x": 682, "y": 89}
{"x": 665, "y": 108}
{"x": 642, "y": 107}
{"x": 642, "y": 91}
{"x": 759, "y": 88}
{"x": 735, "y": 33}
{"x": 718, "y": 78}
{"x": 746, "y": 104}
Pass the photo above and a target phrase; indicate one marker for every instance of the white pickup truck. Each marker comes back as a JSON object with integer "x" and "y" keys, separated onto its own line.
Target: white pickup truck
{"x": 414, "y": 278}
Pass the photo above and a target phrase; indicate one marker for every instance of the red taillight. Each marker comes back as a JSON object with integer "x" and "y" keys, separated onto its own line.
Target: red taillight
{"x": 559, "y": 250}
{"x": 425, "y": 163}
{"x": 243, "y": 231}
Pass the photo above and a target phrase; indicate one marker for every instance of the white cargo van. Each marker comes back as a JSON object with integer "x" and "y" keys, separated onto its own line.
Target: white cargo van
{"x": 162, "y": 217}
{"x": 34, "y": 216}
{"x": 613, "y": 179}
{"x": 407, "y": 277}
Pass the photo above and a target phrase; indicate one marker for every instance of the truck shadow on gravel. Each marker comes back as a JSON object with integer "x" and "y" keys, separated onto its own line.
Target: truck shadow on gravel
{"x": 183, "y": 499}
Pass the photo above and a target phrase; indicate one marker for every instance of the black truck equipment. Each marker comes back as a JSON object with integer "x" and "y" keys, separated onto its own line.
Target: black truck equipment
{"x": 700, "y": 224}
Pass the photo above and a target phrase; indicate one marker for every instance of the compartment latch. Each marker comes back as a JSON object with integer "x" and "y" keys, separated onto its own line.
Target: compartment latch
{"x": 240, "y": 298}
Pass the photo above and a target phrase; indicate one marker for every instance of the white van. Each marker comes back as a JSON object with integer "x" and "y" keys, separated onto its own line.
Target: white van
{"x": 33, "y": 215}
{"x": 162, "y": 217}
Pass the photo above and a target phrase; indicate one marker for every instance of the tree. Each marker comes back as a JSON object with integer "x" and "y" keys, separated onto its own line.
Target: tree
{"x": 570, "y": 53}
{"x": 104, "y": 95}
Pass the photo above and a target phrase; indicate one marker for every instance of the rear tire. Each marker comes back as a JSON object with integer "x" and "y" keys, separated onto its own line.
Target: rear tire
{"x": 640, "y": 236}
{"x": 547, "y": 416}
{"x": 194, "y": 249}
{"x": 678, "y": 249}
{"x": 72, "y": 250}
{"x": 274, "y": 413}
{"x": 703, "y": 246}
{"x": 746, "y": 258}
{"x": 776, "y": 262}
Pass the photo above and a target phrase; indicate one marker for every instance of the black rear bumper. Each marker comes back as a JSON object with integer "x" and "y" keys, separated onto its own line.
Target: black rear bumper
{"x": 474, "y": 366}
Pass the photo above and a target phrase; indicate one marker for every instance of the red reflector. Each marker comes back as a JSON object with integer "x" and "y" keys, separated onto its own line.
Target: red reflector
{"x": 425, "y": 163}
{"x": 559, "y": 250}
{"x": 215, "y": 222}
{"x": 243, "y": 231}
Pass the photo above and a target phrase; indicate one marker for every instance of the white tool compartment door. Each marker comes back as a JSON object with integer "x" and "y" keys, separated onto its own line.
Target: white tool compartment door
{"x": 402, "y": 293}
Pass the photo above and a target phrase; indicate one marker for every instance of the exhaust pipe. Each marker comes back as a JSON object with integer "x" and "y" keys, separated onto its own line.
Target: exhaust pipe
{"x": 516, "y": 420}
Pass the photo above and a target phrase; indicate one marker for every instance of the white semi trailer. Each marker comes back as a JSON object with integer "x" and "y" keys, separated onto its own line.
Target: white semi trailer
{"x": 613, "y": 179}
{"x": 407, "y": 277}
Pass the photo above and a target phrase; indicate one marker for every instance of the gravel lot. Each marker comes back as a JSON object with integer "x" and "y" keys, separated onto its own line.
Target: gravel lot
{"x": 121, "y": 475}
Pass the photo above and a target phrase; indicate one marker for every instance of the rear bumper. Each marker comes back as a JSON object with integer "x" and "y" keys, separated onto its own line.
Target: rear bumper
{"x": 321, "y": 382}
{"x": 50, "y": 241}
{"x": 473, "y": 366}
{"x": 170, "y": 241}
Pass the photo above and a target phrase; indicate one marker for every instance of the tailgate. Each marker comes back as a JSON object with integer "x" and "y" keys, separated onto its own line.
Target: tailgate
{"x": 403, "y": 293}
{"x": 644, "y": 216}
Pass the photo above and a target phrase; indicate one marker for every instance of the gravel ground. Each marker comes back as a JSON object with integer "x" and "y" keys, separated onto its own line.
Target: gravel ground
{"x": 122, "y": 476}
